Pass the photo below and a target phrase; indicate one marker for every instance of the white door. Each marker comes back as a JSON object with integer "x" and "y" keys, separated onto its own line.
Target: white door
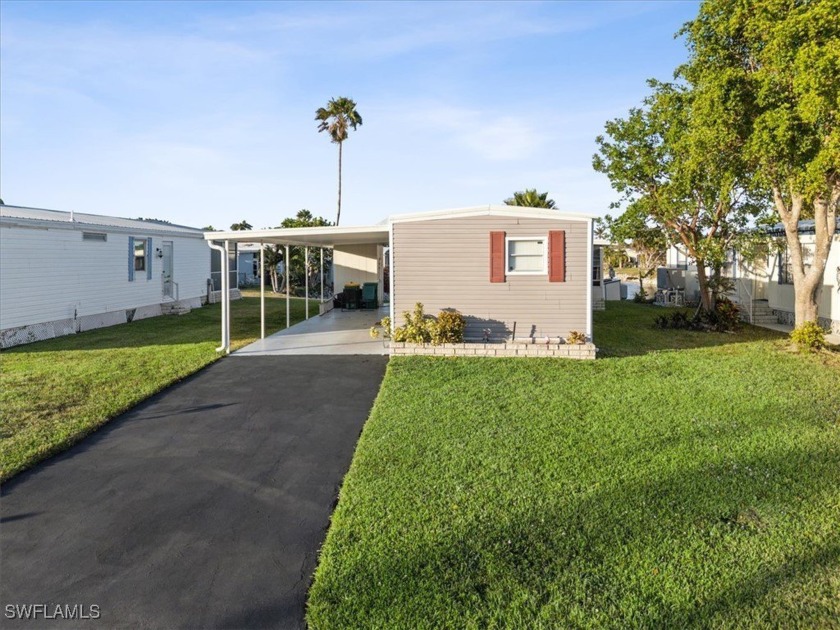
{"x": 168, "y": 269}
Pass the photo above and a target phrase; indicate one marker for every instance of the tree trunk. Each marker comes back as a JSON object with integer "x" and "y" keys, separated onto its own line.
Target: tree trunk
{"x": 706, "y": 301}
{"x": 807, "y": 286}
{"x": 338, "y": 214}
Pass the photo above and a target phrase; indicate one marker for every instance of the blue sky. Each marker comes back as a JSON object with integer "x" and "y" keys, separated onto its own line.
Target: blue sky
{"x": 203, "y": 113}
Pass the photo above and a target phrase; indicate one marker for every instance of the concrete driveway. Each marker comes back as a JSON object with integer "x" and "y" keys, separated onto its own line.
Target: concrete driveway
{"x": 203, "y": 507}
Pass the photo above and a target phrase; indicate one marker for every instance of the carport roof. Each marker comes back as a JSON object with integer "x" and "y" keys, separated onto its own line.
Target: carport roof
{"x": 308, "y": 237}
{"x": 379, "y": 234}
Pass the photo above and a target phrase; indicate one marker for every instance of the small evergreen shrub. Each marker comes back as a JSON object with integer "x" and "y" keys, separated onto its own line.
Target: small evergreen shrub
{"x": 640, "y": 297}
{"x": 809, "y": 336}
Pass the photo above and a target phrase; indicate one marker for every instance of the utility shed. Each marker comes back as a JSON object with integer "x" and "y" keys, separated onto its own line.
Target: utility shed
{"x": 521, "y": 273}
{"x": 65, "y": 272}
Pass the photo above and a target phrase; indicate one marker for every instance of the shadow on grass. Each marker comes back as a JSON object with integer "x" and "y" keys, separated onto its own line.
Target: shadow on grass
{"x": 627, "y": 329}
{"x": 697, "y": 548}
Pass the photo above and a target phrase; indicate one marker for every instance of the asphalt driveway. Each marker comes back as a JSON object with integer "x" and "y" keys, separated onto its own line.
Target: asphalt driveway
{"x": 203, "y": 507}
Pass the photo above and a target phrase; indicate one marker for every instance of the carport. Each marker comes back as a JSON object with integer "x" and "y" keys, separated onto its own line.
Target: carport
{"x": 358, "y": 252}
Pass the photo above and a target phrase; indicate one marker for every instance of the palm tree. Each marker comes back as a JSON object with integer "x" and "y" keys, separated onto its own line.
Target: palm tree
{"x": 338, "y": 117}
{"x": 242, "y": 225}
{"x": 530, "y": 198}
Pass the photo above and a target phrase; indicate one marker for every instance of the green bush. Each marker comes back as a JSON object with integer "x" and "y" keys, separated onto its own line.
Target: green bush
{"x": 640, "y": 297}
{"x": 724, "y": 318}
{"x": 448, "y": 328}
{"x": 809, "y": 336}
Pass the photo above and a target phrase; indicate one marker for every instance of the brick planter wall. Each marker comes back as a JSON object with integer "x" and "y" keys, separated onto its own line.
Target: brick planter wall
{"x": 518, "y": 349}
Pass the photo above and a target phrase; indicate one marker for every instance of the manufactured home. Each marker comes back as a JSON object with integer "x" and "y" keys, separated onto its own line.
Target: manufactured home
{"x": 763, "y": 288}
{"x": 516, "y": 274}
{"x": 67, "y": 272}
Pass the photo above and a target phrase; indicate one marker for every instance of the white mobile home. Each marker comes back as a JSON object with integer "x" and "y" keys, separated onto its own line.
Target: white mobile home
{"x": 64, "y": 272}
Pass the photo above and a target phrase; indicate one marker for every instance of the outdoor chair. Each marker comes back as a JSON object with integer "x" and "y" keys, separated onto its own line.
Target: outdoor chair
{"x": 369, "y": 293}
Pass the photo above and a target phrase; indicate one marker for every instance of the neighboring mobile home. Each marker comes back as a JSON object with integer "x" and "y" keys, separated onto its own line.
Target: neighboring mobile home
{"x": 763, "y": 288}
{"x": 65, "y": 272}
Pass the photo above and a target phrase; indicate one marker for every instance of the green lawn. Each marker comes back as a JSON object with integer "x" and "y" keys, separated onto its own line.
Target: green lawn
{"x": 53, "y": 393}
{"x": 686, "y": 480}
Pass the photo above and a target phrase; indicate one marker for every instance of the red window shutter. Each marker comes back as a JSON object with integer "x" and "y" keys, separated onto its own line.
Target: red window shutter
{"x": 557, "y": 256}
{"x": 497, "y": 256}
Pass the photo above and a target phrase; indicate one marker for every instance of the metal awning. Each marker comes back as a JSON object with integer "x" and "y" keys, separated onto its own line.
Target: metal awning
{"x": 316, "y": 237}
{"x": 328, "y": 236}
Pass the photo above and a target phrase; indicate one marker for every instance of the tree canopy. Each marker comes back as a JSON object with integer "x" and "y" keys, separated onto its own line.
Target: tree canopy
{"x": 242, "y": 225}
{"x": 530, "y": 198}
{"x": 680, "y": 173}
{"x": 774, "y": 67}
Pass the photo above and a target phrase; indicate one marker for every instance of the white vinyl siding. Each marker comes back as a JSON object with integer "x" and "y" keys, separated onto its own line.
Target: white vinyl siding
{"x": 444, "y": 263}
{"x": 77, "y": 277}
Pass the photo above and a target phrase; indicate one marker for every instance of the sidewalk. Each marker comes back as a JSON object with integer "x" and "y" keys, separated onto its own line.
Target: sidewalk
{"x": 832, "y": 338}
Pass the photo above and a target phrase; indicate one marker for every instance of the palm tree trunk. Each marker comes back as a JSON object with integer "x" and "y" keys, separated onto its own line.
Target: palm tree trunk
{"x": 338, "y": 214}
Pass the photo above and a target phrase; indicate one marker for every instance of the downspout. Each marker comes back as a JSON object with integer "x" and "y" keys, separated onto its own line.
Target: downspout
{"x": 262, "y": 290}
{"x": 306, "y": 279}
{"x": 223, "y": 266}
{"x": 589, "y": 252}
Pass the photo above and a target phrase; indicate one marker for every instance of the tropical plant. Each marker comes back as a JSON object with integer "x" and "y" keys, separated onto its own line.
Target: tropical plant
{"x": 448, "y": 327}
{"x": 338, "y": 118}
{"x": 241, "y": 226}
{"x": 530, "y": 198}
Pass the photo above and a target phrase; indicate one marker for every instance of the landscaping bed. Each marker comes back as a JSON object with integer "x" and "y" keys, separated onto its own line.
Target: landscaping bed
{"x": 690, "y": 479}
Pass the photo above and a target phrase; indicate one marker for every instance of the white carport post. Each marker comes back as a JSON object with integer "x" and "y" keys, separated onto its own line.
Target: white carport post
{"x": 322, "y": 278}
{"x": 225, "y": 347}
{"x": 306, "y": 279}
{"x": 286, "y": 265}
{"x": 262, "y": 290}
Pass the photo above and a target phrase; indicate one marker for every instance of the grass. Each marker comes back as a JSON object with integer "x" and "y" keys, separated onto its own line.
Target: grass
{"x": 53, "y": 393}
{"x": 686, "y": 480}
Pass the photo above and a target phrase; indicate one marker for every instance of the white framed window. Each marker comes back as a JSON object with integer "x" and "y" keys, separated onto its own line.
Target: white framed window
{"x": 526, "y": 255}
{"x": 140, "y": 254}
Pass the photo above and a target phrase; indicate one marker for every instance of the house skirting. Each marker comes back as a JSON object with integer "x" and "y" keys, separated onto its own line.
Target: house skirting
{"x": 506, "y": 349}
{"x": 58, "y": 328}
{"x": 789, "y": 318}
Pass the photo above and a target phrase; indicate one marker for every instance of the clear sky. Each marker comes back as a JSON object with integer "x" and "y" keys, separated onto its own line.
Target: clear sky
{"x": 203, "y": 113}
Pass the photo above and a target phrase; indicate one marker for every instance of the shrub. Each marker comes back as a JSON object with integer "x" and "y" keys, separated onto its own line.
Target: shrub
{"x": 809, "y": 336}
{"x": 448, "y": 328}
{"x": 723, "y": 319}
{"x": 576, "y": 337}
{"x": 417, "y": 327}
{"x": 640, "y": 297}
{"x": 677, "y": 320}
{"x": 384, "y": 325}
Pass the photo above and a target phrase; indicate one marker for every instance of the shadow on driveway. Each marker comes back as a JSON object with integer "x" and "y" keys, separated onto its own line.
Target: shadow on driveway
{"x": 205, "y": 506}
